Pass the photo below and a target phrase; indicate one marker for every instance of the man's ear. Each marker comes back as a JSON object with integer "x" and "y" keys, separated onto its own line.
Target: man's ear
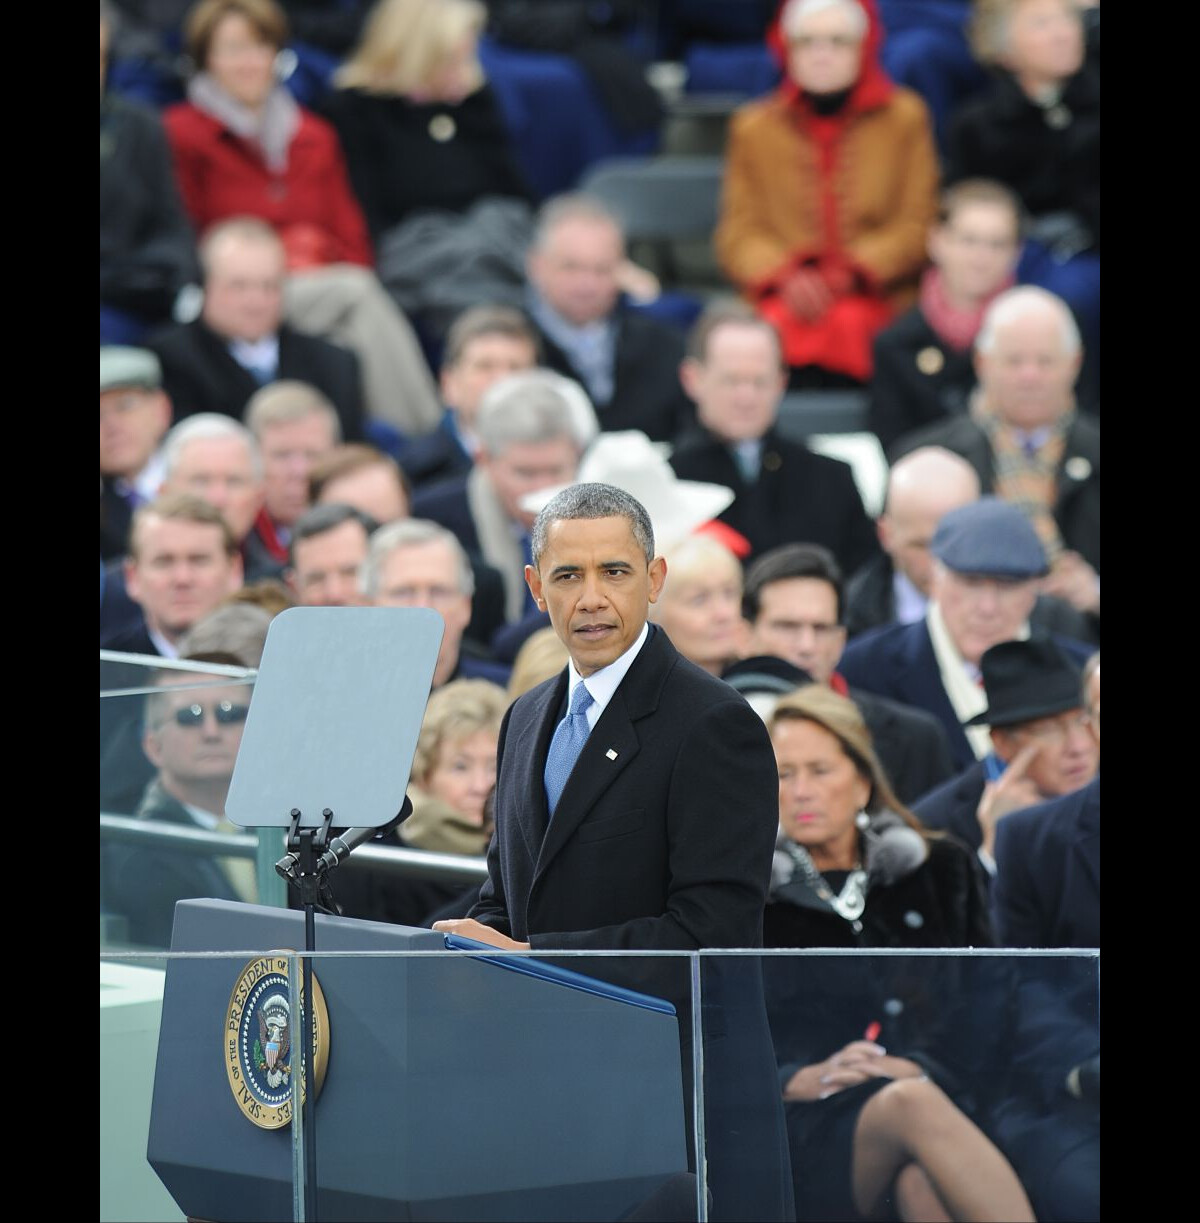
{"x": 658, "y": 575}
{"x": 533, "y": 580}
{"x": 152, "y": 748}
{"x": 691, "y": 374}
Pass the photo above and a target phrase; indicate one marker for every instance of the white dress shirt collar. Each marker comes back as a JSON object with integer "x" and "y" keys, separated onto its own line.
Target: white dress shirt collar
{"x": 603, "y": 683}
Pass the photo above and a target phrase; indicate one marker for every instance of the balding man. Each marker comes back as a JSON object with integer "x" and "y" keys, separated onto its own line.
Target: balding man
{"x": 240, "y": 342}
{"x": 627, "y": 361}
{"x": 1026, "y": 440}
{"x": 894, "y": 587}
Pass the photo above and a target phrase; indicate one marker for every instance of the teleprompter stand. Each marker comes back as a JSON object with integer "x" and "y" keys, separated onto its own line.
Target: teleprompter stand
{"x": 335, "y": 716}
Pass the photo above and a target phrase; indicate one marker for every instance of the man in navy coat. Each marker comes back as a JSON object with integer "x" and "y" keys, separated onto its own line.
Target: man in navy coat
{"x": 988, "y": 561}
{"x": 661, "y": 836}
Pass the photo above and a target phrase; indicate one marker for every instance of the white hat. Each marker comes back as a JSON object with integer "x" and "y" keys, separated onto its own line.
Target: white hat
{"x": 630, "y": 461}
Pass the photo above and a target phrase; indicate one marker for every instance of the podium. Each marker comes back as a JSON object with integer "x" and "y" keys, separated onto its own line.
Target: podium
{"x": 458, "y": 1087}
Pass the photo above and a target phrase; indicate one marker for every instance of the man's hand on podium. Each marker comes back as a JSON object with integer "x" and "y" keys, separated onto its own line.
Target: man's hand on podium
{"x": 468, "y": 927}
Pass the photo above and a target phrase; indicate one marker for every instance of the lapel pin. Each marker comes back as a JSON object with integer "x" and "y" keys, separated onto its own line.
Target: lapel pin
{"x": 611, "y": 754}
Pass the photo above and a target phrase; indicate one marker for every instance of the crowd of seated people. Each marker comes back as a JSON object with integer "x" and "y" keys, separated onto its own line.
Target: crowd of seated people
{"x": 350, "y": 345}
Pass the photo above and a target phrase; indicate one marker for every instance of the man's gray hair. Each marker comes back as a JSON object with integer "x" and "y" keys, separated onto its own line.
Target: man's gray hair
{"x": 206, "y": 426}
{"x": 287, "y": 400}
{"x": 526, "y": 407}
{"x": 1023, "y": 299}
{"x": 592, "y": 501}
{"x": 412, "y": 533}
{"x": 572, "y": 206}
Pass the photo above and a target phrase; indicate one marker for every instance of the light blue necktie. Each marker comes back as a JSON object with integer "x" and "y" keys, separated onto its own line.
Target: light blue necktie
{"x": 569, "y": 737}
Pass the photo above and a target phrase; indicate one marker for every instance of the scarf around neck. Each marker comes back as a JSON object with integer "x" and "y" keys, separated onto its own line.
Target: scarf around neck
{"x": 955, "y": 326}
{"x": 270, "y": 130}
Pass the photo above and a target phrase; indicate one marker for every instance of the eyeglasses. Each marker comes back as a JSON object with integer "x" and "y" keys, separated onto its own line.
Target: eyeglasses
{"x": 839, "y": 42}
{"x": 225, "y": 712}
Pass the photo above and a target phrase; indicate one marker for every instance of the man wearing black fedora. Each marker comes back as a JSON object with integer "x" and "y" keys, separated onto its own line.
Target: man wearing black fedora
{"x": 1041, "y": 745}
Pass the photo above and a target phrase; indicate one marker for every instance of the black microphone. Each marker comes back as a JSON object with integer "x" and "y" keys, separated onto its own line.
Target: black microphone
{"x": 341, "y": 845}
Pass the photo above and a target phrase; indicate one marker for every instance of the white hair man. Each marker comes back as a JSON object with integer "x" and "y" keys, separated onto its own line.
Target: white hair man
{"x": 1025, "y": 438}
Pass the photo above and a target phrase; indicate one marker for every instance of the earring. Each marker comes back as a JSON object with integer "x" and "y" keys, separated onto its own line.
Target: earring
{"x": 863, "y": 820}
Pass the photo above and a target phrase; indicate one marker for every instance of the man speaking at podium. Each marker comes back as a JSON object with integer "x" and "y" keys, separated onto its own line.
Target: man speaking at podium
{"x": 637, "y": 808}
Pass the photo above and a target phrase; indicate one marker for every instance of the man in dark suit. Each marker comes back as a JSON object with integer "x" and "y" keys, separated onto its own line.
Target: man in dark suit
{"x": 894, "y": 586}
{"x": 1025, "y": 437}
{"x": 183, "y": 562}
{"x": 483, "y": 345}
{"x": 792, "y": 602}
{"x": 416, "y": 563}
{"x": 240, "y": 342}
{"x": 1047, "y": 887}
{"x": 628, "y": 362}
{"x": 1042, "y": 746}
{"x": 783, "y": 491}
{"x": 134, "y": 418}
{"x": 988, "y": 562}
{"x": 644, "y": 818}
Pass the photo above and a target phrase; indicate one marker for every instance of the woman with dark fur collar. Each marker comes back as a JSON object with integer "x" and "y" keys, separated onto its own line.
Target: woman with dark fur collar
{"x": 877, "y": 1073}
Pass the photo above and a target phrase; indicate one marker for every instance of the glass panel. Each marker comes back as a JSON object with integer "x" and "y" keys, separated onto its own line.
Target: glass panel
{"x": 169, "y": 736}
{"x": 452, "y": 1084}
{"x": 902, "y": 1084}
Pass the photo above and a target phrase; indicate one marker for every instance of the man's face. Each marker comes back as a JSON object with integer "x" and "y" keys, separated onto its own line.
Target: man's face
{"x": 426, "y": 575}
{"x": 243, "y": 291}
{"x": 738, "y": 385}
{"x": 1045, "y": 40}
{"x": 976, "y": 249}
{"x": 374, "y": 489}
{"x": 593, "y": 579}
{"x": 702, "y": 615}
{"x": 289, "y": 450}
{"x": 907, "y": 526}
{"x": 1067, "y": 755}
{"x": 179, "y": 572}
{"x": 221, "y": 471}
{"x": 1027, "y": 378}
{"x": 575, "y": 270}
{"x": 483, "y": 361}
{"x": 981, "y": 611}
{"x": 797, "y": 621}
{"x": 325, "y": 566}
{"x": 204, "y": 749}
{"x": 526, "y": 467}
{"x": 132, "y": 423}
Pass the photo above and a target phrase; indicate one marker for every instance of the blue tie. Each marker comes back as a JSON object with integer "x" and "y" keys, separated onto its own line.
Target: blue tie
{"x": 569, "y": 737}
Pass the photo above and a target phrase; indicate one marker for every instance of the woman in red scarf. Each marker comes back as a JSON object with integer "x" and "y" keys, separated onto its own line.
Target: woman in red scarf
{"x": 830, "y": 188}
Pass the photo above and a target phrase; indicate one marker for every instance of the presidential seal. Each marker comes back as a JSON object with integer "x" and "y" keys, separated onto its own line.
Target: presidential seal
{"x": 261, "y": 1042}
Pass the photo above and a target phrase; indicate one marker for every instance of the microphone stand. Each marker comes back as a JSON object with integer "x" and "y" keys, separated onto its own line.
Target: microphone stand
{"x": 307, "y": 844}
{"x": 308, "y": 859}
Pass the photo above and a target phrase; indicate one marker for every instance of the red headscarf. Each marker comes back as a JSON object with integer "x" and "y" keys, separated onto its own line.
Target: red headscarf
{"x": 873, "y": 87}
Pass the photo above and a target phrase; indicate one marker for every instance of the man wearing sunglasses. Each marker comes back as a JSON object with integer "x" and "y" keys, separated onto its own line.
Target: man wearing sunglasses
{"x": 193, "y": 729}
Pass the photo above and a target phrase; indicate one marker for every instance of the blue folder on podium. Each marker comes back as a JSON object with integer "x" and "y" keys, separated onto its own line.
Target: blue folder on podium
{"x": 458, "y": 1087}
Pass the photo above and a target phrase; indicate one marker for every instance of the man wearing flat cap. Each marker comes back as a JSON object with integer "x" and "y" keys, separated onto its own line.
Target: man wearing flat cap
{"x": 135, "y": 415}
{"x": 1042, "y": 746}
{"x": 988, "y": 561}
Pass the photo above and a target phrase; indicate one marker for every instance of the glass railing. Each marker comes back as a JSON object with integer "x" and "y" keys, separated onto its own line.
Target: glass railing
{"x": 472, "y": 1084}
{"x": 169, "y": 736}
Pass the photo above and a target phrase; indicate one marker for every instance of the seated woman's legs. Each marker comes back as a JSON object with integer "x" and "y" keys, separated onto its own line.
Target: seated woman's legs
{"x": 914, "y": 1121}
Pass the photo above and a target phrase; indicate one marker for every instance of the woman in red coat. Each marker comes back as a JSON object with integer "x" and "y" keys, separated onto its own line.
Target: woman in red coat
{"x": 829, "y": 191}
{"x": 243, "y": 146}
